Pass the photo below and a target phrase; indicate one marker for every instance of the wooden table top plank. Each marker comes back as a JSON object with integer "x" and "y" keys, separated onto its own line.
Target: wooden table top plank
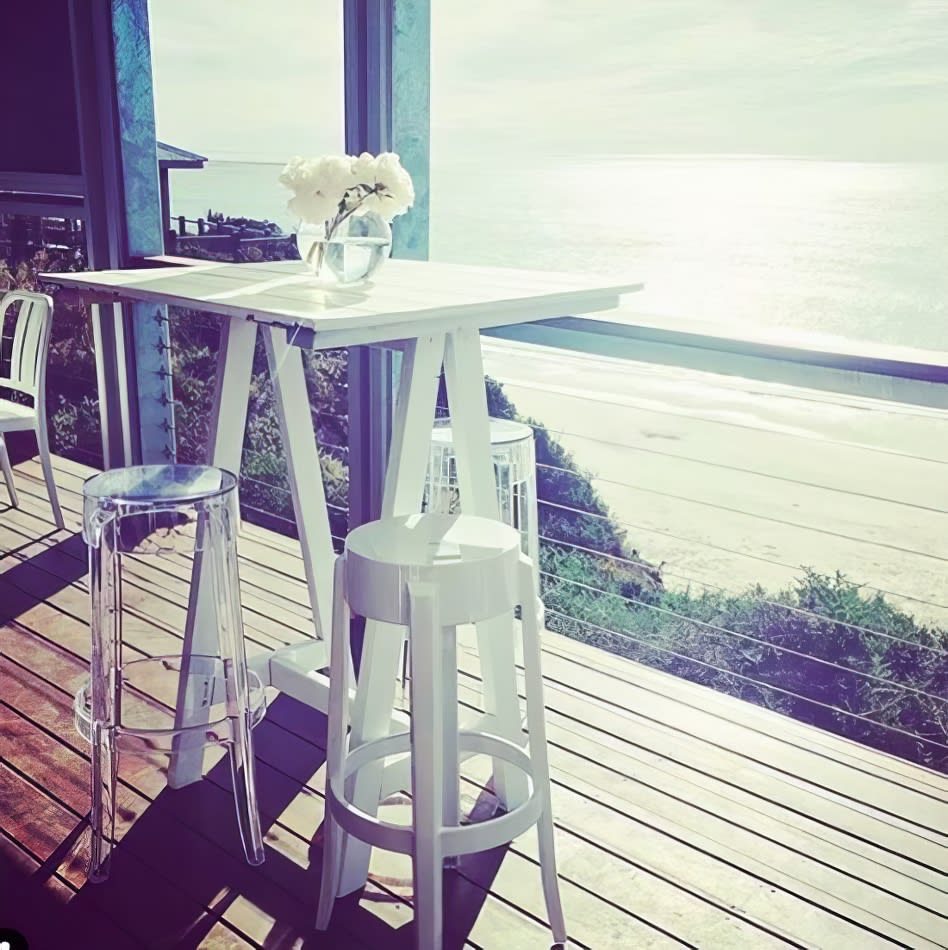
{"x": 407, "y": 299}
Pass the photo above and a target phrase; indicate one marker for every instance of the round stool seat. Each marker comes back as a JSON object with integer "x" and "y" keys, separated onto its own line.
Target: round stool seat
{"x": 155, "y": 507}
{"x": 151, "y": 484}
{"x": 474, "y": 562}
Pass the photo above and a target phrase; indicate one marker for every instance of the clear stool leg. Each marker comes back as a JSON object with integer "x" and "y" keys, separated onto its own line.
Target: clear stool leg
{"x": 102, "y": 815}
{"x": 106, "y": 684}
{"x": 221, "y": 549}
{"x": 538, "y": 752}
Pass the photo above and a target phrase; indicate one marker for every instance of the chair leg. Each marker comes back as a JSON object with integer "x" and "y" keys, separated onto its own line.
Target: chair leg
{"x": 451, "y": 784}
{"x": 243, "y": 775}
{"x": 333, "y": 835}
{"x": 42, "y": 441}
{"x": 220, "y": 546}
{"x": 7, "y": 472}
{"x": 427, "y": 764}
{"x": 539, "y": 759}
{"x": 105, "y": 681}
{"x": 102, "y": 815}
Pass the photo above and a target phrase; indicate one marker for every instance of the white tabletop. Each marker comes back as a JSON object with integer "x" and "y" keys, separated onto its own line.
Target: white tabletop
{"x": 404, "y": 299}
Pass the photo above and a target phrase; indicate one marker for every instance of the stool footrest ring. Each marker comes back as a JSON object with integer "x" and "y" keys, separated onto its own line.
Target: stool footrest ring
{"x": 456, "y": 840}
{"x": 152, "y": 724}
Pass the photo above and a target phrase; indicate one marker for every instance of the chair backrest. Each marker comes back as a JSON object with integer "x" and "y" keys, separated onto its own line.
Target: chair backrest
{"x": 30, "y": 341}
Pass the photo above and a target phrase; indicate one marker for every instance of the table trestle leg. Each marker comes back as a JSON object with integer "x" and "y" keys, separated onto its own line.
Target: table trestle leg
{"x": 299, "y": 444}
{"x": 403, "y": 493}
{"x": 225, "y": 442}
{"x": 467, "y": 401}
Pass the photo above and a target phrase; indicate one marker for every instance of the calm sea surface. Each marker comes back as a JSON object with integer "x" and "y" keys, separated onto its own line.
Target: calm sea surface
{"x": 847, "y": 249}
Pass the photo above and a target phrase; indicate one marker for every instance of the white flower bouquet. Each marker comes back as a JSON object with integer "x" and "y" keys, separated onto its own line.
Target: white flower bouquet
{"x": 330, "y": 189}
{"x": 348, "y": 199}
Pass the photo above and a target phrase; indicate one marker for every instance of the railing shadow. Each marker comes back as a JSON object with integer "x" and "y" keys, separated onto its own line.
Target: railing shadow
{"x": 180, "y": 867}
{"x": 179, "y": 873}
{"x": 41, "y": 575}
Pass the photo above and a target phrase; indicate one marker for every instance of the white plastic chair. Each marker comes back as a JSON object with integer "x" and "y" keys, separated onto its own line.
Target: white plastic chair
{"x": 27, "y": 374}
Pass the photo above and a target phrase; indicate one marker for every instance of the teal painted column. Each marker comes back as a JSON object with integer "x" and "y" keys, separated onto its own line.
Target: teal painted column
{"x": 135, "y": 101}
{"x": 387, "y": 57}
{"x": 411, "y": 118}
{"x": 411, "y": 131}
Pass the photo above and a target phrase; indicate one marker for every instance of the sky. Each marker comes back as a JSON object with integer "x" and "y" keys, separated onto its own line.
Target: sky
{"x": 854, "y": 79}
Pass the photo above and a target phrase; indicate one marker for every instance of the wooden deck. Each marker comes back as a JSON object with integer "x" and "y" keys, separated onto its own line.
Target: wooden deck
{"x": 685, "y": 818}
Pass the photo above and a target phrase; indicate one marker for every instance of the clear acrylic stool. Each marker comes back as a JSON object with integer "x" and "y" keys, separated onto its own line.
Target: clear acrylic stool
{"x": 151, "y": 704}
{"x": 513, "y": 453}
{"x": 430, "y": 573}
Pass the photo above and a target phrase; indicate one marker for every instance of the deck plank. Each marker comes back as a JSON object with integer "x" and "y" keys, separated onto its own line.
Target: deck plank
{"x": 685, "y": 817}
{"x": 300, "y": 812}
{"x": 713, "y": 856}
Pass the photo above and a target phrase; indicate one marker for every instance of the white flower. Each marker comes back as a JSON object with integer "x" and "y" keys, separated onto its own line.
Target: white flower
{"x": 317, "y": 185}
{"x": 295, "y": 171}
{"x": 331, "y": 188}
{"x": 312, "y": 206}
{"x": 392, "y": 192}
{"x": 334, "y": 175}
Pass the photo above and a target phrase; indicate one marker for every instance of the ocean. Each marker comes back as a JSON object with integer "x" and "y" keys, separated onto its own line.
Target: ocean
{"x": 852, "y": 250}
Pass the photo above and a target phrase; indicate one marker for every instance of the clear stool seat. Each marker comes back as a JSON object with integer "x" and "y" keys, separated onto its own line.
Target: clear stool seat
{"x": 154, "y": 705}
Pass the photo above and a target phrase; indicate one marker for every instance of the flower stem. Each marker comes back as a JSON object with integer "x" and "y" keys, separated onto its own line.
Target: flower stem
{"x": 343, "y": 213}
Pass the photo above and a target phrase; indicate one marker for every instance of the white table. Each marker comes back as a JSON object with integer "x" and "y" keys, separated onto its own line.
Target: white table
{"x": 433, "y": 313}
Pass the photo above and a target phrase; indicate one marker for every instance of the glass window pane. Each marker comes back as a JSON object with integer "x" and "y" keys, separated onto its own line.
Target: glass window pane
{"x": 247, "y": 91}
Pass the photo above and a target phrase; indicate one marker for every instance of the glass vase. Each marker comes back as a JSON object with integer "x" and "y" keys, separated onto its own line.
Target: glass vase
{"x": 356, "y": 249}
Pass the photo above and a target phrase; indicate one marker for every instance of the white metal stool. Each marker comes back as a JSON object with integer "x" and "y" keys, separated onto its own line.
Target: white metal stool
{"x": 165, "y": 510}
{"x": 430, "y": 573}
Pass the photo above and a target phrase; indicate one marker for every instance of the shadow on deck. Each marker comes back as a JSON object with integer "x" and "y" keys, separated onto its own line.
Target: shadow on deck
{"x": 685, "y": 818}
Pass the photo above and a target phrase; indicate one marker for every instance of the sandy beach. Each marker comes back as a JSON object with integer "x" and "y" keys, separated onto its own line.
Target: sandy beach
{"x": 733, "y": 482}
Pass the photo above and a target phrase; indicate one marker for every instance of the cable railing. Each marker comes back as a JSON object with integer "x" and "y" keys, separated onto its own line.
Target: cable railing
{"x": 849, "y": 656}
{"x": 568, "y": 625}
{"x": 692, "y": 582}
{"x": 549, "y": 583}
{"x": 778, "y": 543}
{"x": 678, "y": 497}
{"x": 711, "y": 546}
